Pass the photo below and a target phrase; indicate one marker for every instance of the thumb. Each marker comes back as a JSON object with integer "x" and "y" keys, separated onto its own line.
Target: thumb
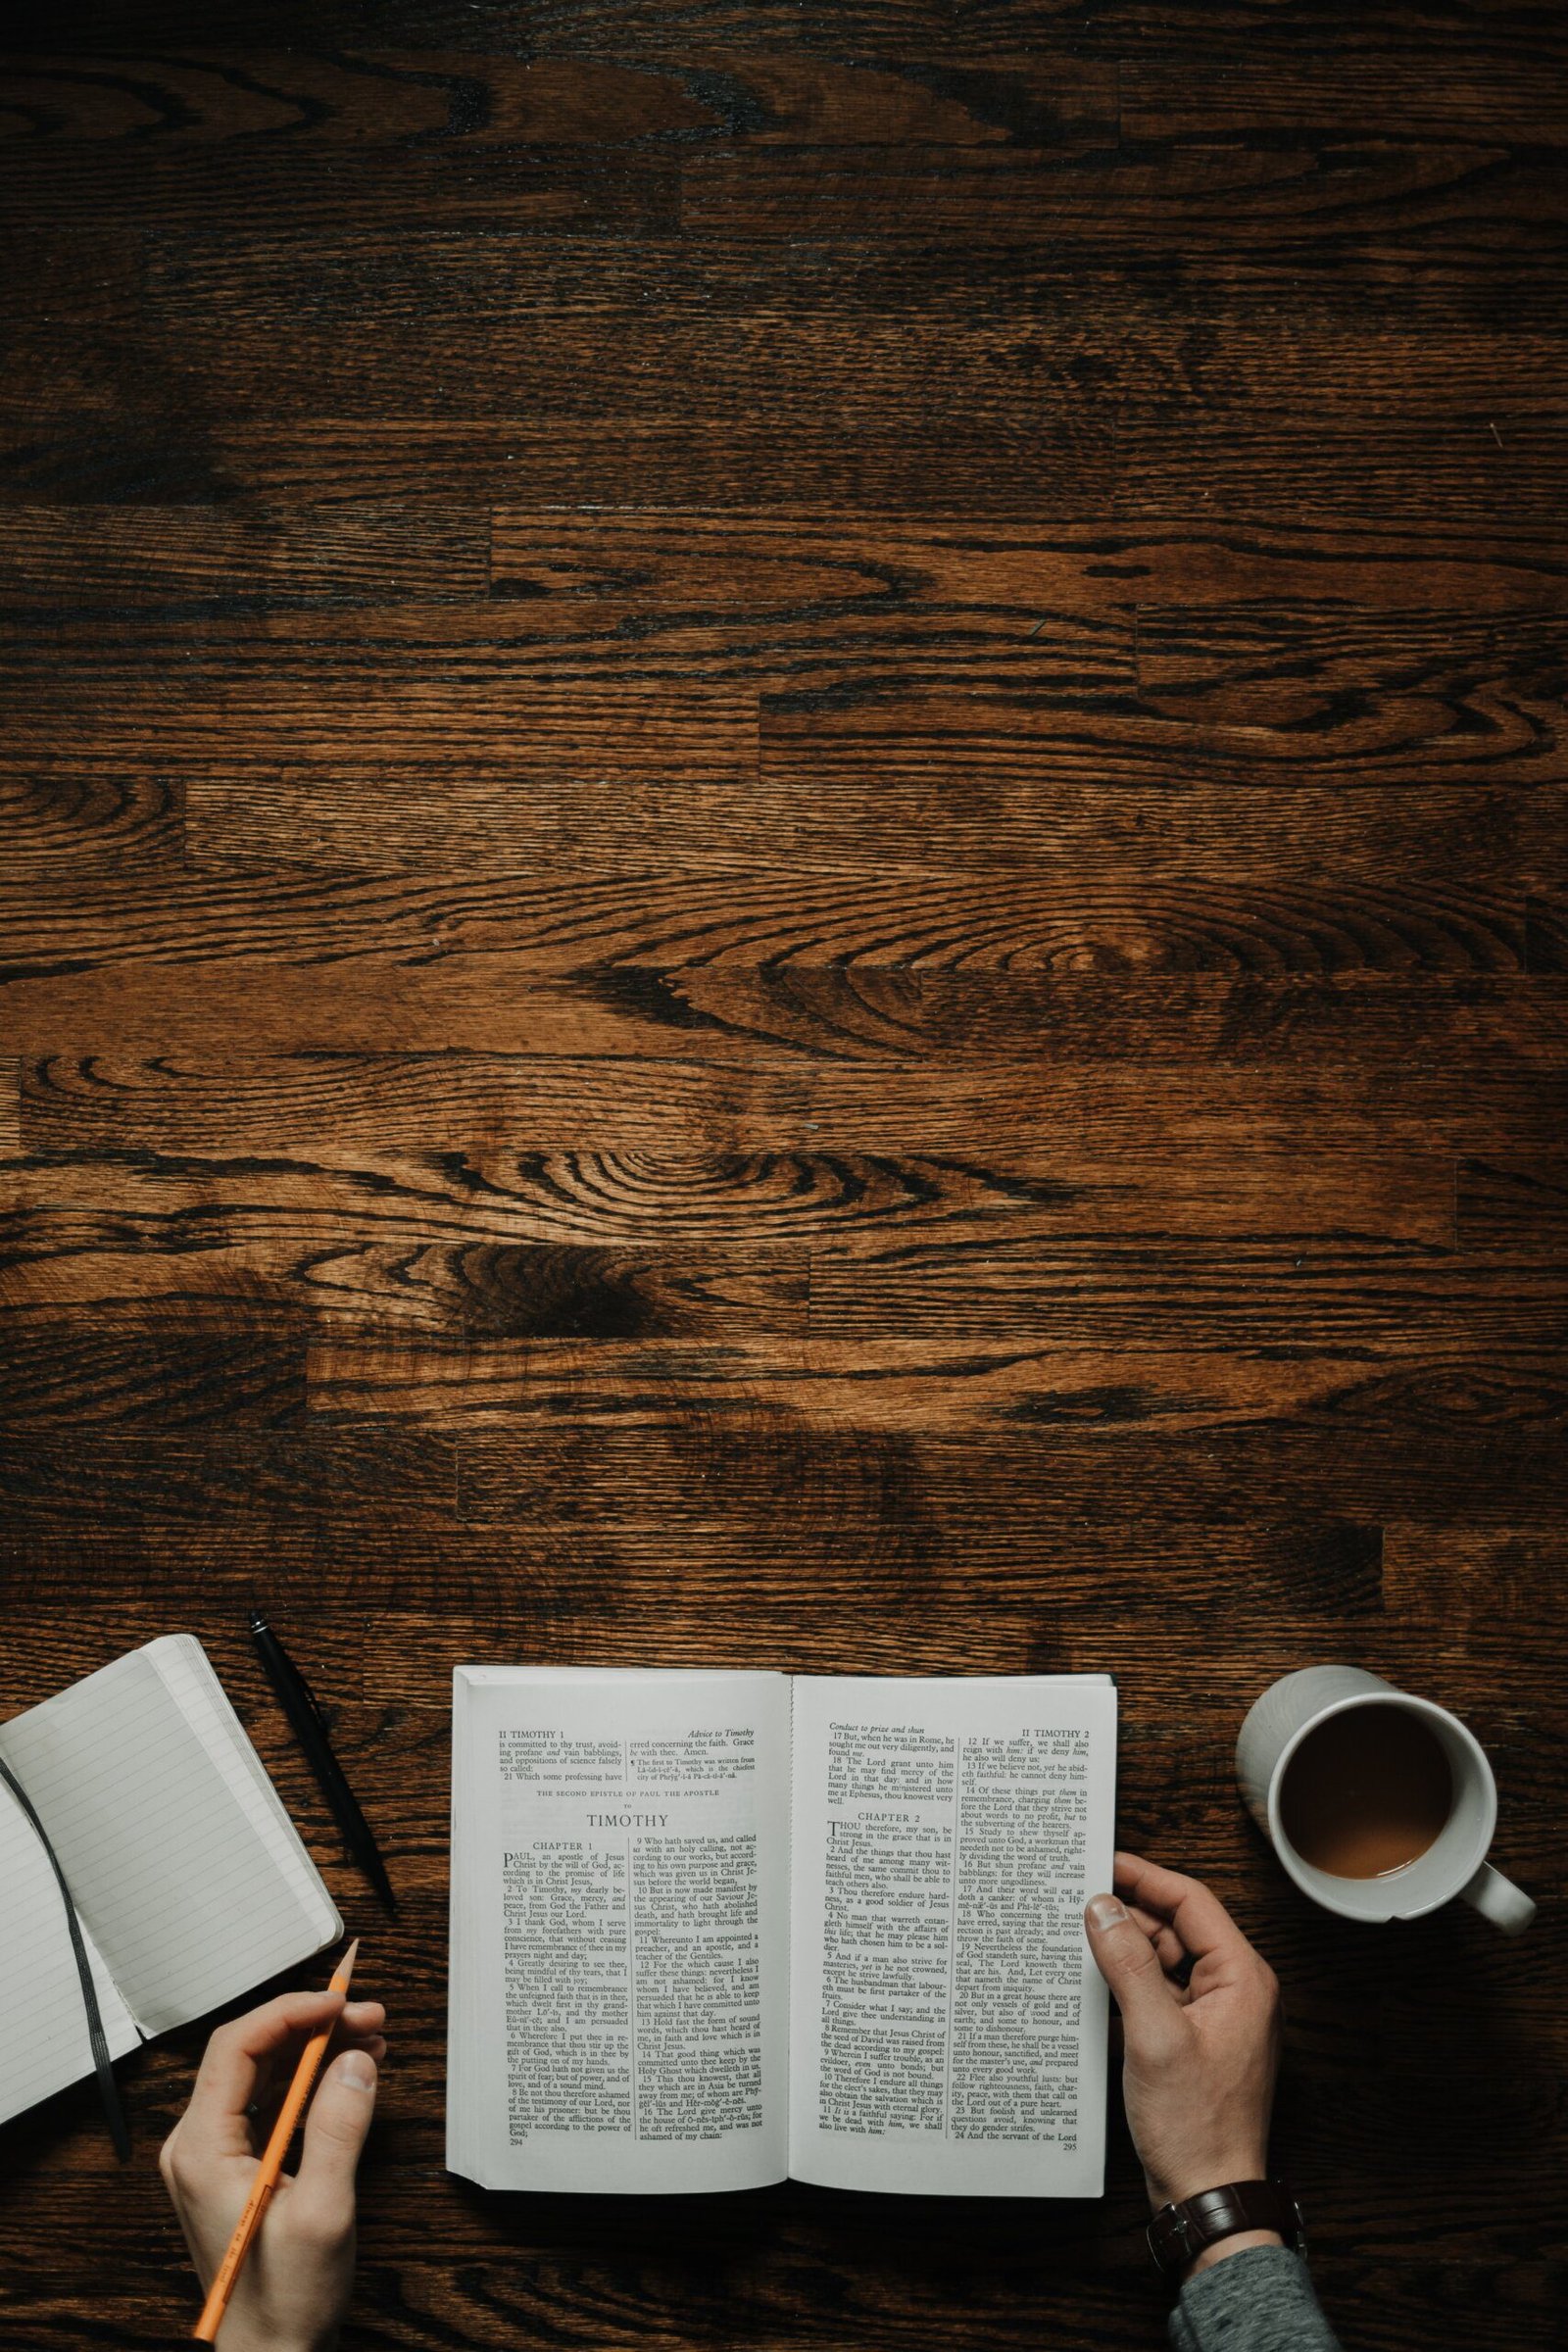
{"x": 336, "y": 2129}
{"x": 1129, "y": 1963}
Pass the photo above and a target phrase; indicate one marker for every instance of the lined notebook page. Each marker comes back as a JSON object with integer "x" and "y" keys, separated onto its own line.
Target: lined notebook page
{"x": 185, "y": 1868}
{"x": 43, "y": 2018}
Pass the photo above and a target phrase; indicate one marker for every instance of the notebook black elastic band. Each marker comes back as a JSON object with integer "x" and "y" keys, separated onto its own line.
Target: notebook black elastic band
{"x": 108, "y": 2087}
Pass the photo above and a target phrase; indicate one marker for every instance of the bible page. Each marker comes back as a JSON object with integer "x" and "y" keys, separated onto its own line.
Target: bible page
{"x": 619, "y": 2013}
{"x": 947, "y": 2027}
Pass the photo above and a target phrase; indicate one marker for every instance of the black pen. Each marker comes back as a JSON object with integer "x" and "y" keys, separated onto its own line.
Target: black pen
{"x": 310, "y": 1729}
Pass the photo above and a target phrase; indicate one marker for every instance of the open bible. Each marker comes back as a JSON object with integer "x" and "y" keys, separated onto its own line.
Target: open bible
{"x": 189, "y": 1880}
{"x": 712, "y": 1930}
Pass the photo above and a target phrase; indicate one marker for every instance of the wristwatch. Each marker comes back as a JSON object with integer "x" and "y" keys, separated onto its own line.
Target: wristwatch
{"x": 1178, "y": 2233}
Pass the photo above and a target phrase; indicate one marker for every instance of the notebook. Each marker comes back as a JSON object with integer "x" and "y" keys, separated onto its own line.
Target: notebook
{"x": 190, "y": 1878}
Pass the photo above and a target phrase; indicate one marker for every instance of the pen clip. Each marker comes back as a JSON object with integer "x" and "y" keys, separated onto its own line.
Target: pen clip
{"x": 287, "y": 1664}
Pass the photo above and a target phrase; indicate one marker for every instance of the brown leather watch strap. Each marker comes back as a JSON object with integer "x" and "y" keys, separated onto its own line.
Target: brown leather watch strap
{"x": 1178, "y": 2233}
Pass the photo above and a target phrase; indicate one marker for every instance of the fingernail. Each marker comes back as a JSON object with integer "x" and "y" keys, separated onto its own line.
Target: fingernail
{"x": 356, "y": 2070}
{"x": 1103, "y": 1911}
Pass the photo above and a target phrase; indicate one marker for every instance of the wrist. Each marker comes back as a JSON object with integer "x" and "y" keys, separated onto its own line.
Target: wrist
{"x": 1230, "y": 2217}
{"x": 1237, "y": 2244}
{"x": 1190, "y": 2179}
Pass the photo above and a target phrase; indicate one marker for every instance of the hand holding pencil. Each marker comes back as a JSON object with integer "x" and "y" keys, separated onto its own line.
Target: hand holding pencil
{"x": 291, "y": 2289}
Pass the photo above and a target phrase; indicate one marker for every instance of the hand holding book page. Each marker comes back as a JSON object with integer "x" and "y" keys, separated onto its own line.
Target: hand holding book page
{"x": 949, "y": 2027}
{"x": 712, "y": 1928}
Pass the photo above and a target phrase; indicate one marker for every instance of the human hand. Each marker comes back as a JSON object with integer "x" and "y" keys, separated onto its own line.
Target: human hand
{"x": 297, "y": 2278}
{"x": 1198, "y": 2058}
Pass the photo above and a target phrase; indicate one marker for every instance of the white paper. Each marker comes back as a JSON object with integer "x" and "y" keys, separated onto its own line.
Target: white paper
{"x": 619, "y": 1930}
{"x": 947, "y": 2027}
{"x": 43, "y": 2040}
{"x": 187, "y": 1871}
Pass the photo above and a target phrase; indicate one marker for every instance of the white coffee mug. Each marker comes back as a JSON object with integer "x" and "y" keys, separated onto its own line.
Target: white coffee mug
{"x": 1454, "y": 1864}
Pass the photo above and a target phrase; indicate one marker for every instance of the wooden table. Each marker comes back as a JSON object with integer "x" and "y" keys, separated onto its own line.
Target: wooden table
{"x": 783, "y": 883}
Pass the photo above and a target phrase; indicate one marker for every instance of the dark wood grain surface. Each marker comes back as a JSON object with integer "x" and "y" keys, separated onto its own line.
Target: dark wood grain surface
{"x": 784, "y": 881}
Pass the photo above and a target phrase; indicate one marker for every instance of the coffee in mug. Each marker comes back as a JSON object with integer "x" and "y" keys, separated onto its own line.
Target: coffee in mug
{"x": 1380, "y": 1805}
{"x": 1367, "y": 1791}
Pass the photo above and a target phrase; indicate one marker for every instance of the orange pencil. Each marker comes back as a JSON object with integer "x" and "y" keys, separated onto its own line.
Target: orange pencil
{"x": 270, "y": 2166}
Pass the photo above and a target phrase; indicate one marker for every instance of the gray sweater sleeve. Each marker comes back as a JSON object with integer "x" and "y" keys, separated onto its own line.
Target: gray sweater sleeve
{"x": 1260, "y": 2300}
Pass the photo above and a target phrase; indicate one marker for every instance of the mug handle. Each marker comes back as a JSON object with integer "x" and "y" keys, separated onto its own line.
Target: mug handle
{"x": 1499, "y": 1899}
